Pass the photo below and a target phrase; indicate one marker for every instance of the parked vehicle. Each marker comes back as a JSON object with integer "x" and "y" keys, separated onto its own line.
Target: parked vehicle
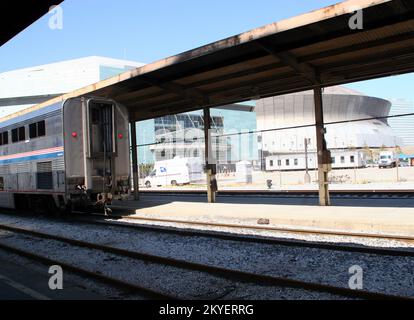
{"x": 387, "y": 159}
{"x": 177, "y": 171}
{"x": 403, "y": 164}
{"x": 371, "y": 164}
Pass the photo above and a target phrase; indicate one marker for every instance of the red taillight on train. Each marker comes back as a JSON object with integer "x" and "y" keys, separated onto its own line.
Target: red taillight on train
{"x": 74, "y": 134}
{"x": 120, "y": 135}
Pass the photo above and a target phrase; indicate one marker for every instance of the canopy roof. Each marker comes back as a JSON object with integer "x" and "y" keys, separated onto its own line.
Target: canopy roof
{"x": 315, "y": 49}
{"x": 21, "y": 19}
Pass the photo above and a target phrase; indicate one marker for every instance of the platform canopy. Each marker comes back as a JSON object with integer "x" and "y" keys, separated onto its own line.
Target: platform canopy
{"x": 14, "y": 18}
{"x": 315, "y": 49}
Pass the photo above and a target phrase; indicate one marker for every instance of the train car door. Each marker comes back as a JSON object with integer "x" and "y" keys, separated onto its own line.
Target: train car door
{"x": 102, "y": 147}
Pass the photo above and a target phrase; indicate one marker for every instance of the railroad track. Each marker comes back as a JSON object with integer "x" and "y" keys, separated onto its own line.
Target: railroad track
{"x": 101, "y": 219}
{"x": 118, "y": 283}
{"x": 237, "y": 275}
{"x": 349, "y": 194}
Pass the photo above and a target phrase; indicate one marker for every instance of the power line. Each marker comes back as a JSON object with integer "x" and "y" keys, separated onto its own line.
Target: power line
{"x": 280, "y": 129}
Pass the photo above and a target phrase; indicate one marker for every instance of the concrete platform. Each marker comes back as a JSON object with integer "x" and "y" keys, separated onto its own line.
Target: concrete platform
{"x": 388, "y": 220}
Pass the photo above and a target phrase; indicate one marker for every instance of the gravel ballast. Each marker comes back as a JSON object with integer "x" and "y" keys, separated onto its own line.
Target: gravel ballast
{"x": 384, "y": 274}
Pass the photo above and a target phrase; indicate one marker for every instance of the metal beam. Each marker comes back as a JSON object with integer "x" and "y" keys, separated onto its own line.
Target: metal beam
{"x": 197, "y": 95}
{"x": 375, "y": 57}
{"x": 373, "y": 44}
{"x": 239, "y": 74}
{"x": 304, "y": 69}
{"x": 134, "y": 154}
{"x": 324, "y": 157}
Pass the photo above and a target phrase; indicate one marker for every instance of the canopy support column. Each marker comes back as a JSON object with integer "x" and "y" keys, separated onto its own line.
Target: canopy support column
{"x": 324, "y": 156}
{"x": 134, "y": 154}
{"x": 210, "y": 167}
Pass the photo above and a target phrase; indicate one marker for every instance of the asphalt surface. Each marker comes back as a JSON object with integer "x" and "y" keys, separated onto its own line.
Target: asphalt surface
{"x": 22, "y": 279}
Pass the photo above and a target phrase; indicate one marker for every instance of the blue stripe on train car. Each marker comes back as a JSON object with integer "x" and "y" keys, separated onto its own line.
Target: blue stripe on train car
{"x": 31, "y": 115}
{"x": 32, "y": 158}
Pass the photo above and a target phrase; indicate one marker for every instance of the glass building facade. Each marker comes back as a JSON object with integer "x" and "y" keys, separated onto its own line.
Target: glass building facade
{"x": 403, "y": 126}
{"x": 157, "y": 136}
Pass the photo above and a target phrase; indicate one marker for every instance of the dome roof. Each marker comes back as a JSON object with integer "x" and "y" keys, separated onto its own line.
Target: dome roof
{"x": 342, "y": 90}
{"x": 335, "y": 90}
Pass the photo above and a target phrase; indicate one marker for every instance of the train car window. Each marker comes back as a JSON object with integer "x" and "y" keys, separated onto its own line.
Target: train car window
{"x": 287, "y": 162}
{"x": 18, "y": 134}
{"x": 41, "y": 128}
{"x": 15, "y": 136}
{"x": 101, "y": 128}
{"x": 96, "y": 116}
{"x": 4, "y": 138}
{"x": 32, "y": 131}
{"x": 1, "y": 184}
{"x": 296, "y": 162}
{"x": 22, "y": 133}
{"x": 352, "y": 159}
{"x": 37, "y": 129}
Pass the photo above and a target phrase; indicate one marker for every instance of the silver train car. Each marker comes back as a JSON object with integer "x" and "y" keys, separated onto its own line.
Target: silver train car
{"x": 69, "y": 155}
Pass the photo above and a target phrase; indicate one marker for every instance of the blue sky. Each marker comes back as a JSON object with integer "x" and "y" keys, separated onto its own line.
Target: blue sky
{"x": 145, "y": 31}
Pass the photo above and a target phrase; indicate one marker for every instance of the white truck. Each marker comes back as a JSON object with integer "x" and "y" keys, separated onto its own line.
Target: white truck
{"x": 387, "y": 159}
{"x": 177, "y": 171}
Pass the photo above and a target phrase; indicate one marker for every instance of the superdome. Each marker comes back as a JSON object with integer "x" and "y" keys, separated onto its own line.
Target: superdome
{"x": 340, "y": 104}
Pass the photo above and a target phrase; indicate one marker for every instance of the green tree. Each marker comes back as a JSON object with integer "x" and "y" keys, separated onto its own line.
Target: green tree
{"x": 145, "y": 169}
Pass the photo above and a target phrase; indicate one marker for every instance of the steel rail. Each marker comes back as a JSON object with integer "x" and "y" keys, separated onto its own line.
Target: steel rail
{"x": 286, "y": 193}
{"x": 214, "y": 270}
{"x": 269, "y": 228}
{"x": 78, "y": 270}
{"x": 259, "y": 239}
{"x": 100, "y": 219}
{"x": 93, "y": 275}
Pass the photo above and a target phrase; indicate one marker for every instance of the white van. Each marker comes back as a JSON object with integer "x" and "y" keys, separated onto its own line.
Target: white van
{"x": 387, "y": 159}
{"x": 177, "y": 171}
